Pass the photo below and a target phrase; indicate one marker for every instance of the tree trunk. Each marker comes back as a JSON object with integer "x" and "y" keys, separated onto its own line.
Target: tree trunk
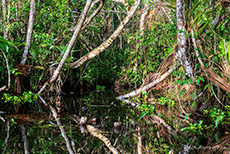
{"x": 181, "y": 38}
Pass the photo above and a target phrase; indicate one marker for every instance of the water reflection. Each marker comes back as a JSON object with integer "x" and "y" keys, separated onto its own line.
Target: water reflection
{"x": 95, "y": 123}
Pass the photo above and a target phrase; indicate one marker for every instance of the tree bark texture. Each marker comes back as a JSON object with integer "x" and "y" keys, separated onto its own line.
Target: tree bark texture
{"x": 95, "y": 132}
{"x": 181, "y": 38}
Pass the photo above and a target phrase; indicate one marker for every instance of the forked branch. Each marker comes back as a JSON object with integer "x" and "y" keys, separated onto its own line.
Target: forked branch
{"x": 109, "y": 41}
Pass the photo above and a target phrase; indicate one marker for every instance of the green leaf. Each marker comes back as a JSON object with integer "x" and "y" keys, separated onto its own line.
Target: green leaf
{"x": 187, "y": 115}
{"x": 143, "y": 114}
{"x": 219, "y": 118}
{"x": 216, "y": 137}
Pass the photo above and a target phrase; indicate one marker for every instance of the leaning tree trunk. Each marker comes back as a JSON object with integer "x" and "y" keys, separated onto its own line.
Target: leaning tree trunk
{"x": 181, "y": 39}
{"x": 29, "y": 31}
{"x": 70, "y": 46}
{"x": 110, "y": 40}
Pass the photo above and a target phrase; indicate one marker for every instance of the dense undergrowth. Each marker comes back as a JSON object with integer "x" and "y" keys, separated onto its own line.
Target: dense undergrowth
{"x": 197, "y": 109}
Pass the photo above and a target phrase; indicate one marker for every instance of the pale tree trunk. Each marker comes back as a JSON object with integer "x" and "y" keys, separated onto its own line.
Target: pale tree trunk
{"x": 5, "y": 35}
{"x": 70, "y": 46}
{"x": 139, "y": 143}
{"x": 4, "y": 14}
{"x": 110, "y": 40}
{"x": 8, "y": 70}
{"x": 29, "y": 31}
{"x": 142, "y": 21}
{"x": 181, "y": 38}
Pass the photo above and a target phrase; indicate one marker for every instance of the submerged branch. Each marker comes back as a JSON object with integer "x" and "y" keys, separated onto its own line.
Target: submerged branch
{"x": 95, "y": 132}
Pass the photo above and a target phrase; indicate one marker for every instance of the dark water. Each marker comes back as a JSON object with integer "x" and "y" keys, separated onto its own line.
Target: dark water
{"x": 44, "y": 136}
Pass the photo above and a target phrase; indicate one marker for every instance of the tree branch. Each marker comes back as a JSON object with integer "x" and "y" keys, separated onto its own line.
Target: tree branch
{"x": 57, "y": 118}
{"x": 29, "y": 31}
{"x": 109, "y": 41}
{"x": 70, "y": 46}
{"x": 94, "y": 14}
{"x": 95, "y": 132}
{"x": 148, "y": 86}
{"x": 8, "y": 70}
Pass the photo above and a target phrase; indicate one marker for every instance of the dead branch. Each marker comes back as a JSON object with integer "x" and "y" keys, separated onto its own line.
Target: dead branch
{"x": 109, "y": 41}
{"x": 215, "y": 78}
{"x": 3, "y": 88}
{"x": 95, "y": 132}
{"x": 223, "y": 146}
{"x": 148, "y": 86}
{"x": 29, "y": 31}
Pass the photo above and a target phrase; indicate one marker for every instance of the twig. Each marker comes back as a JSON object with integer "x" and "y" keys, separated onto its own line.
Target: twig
{"x": 181, "y": 105}
{"x": 195, "y": 48}
{"x": 216, "y": 97}
{"x": 128, "y": 102}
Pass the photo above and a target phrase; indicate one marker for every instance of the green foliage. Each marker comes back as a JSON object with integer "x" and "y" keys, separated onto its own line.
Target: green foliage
{"x": 163, "y": 101}
{"x": 218, "y": 116}
{"x": 25, "y": 97}
{"x": 101, "y": 88}
{"x": 224, "y": 48}
{"x": 196, "y": 128}
{"x": 146, "y": 109}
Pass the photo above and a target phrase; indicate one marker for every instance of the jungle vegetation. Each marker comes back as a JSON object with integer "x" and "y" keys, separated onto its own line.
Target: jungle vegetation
{"x": 164, "y": 62}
